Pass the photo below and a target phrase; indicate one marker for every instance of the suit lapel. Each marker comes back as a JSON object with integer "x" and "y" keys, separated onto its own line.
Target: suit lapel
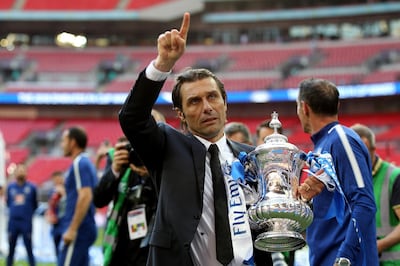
{"x": 237, "y": 147}
{"x": 199, "y": 162}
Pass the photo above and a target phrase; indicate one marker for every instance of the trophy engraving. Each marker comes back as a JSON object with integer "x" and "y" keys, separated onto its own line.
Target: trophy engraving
{"x": 278, "y": 214}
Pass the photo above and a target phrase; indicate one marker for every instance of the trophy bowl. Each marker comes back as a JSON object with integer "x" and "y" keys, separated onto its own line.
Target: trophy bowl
{"x": 278, "y": 214}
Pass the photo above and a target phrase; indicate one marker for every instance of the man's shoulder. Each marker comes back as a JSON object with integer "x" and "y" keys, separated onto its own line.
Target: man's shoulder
{"x": 241, "y": 146}
{"x": 11, "y": 184}
{"x": 84, "y": 157}
{"x": 85, "y": 161}
{"x": 32, "y": 185}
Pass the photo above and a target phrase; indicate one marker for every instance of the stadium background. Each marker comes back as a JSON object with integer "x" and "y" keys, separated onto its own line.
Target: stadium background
{"x": 260, "y": 49}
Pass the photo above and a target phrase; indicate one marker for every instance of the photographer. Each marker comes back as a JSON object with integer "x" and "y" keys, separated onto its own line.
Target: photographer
{"x": 125, "y": 184}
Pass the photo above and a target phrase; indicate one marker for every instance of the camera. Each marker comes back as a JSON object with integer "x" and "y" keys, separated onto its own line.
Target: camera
{"x": 133, "y": 156}
{"x": 128, "y": 147}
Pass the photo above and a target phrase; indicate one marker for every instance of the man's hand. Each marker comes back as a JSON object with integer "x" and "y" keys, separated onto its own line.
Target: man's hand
{"x": 102, "y": 150}
{"x": 69, "y": 236}
{"x": 310, "y": 187}
{"x": 171, "y": 45}
{"x": 140, "y": 170}
{"x": 121, "y": 157}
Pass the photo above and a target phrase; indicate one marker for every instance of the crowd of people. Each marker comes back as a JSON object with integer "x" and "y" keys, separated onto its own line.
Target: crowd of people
{"x": 170, "y": 192}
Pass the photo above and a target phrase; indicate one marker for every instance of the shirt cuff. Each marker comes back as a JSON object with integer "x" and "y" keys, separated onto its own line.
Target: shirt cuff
{"x": 154, "y": 74}
{"x": 116, "y": 174}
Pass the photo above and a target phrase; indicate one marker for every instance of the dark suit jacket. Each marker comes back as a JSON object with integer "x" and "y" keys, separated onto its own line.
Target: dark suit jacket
{"x": 177, "y": 163}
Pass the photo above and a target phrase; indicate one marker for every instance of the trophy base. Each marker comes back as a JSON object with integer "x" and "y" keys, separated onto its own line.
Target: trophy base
{"x": 279, "y": 241}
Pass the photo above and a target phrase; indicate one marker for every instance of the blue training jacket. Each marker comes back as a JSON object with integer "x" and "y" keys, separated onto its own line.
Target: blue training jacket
{"x": 346, "y": 230}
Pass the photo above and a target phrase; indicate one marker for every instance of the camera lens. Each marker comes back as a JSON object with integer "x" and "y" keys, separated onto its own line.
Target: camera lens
{"x": 128, "y": 146}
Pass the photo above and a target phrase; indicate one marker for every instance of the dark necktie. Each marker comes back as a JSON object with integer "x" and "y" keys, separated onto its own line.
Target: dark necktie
{"x": 222, "y": 228}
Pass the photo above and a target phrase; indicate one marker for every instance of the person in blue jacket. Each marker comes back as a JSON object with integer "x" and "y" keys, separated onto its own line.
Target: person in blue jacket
{"x": 22, "y": 203}
{"x": 78, "y": 223}
{"x": 343, "y": 229}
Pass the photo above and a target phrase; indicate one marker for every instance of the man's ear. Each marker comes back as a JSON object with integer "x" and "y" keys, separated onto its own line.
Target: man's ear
{"x": 306, "y": 108}
{"x": 73, "y": 142}
{"x": 180, "y": 114}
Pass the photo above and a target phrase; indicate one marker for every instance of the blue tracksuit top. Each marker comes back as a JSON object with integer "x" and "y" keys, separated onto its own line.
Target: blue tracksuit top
{"x": 354, "y": 237}
{"x": 82, "y": 173}
{"x": 22, "y": 201}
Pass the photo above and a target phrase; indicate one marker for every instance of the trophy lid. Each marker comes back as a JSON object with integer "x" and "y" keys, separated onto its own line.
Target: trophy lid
{"x": 275, "y": 140}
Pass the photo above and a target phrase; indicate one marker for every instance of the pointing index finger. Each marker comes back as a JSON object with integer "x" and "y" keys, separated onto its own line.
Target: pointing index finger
{"x": 185, "y": 25}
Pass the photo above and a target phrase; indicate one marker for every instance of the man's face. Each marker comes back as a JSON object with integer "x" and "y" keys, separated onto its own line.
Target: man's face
{"x": 263, "y": 133}
{"x": 20, "y": 173}
{"x": 58, "y": 180}
{"x": 239, "y": 137}
{"x": 302, "y": 117}
{"x": 371, "y": 150}
{"x": 203, "y": 109}
{"x": 66, "y": 143}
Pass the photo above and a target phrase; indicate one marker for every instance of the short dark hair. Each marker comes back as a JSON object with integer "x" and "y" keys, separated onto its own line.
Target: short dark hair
{"x": 364, "y": 132}
{"x": 191, "y": 75}
{"x": 79, "y": 135}
{"x": 321, "y": 95}
{"x": 234, "y": 127}
{"x": 57, "y": 173}
{"x": 266, "y": 124}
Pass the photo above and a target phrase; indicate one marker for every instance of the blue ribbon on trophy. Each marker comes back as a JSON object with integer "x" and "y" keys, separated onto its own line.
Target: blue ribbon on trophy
{"x": 243, "y": 173}
{"x": 317, "y": 161}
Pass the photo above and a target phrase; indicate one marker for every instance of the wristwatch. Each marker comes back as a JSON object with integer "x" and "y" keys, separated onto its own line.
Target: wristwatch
{"x": 342, "y": 262}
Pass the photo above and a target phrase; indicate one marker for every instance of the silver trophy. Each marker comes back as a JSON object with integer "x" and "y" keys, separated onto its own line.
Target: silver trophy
{"x": 278, "y": 214}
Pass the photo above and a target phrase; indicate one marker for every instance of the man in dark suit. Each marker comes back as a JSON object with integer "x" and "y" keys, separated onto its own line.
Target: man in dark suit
{"x": 184, "y": 232}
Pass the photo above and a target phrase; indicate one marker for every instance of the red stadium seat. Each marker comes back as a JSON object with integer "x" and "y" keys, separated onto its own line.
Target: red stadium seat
{"x": 339, "y": 55}
{"x": 67, "y": 60}
{"x": 42, "y": 167}
{"x": 70, "y": 5}
{"x": 118, "y": 85}
{"x": 140, "y": 4}
{"x": 338, "y": 79}
{"x": 266, "y": 58}
{"x": 254, "y": 66}
{"x": 15, "y": 130}
{"x": 391, "y": 134}
{"x": 382, "y": 76}
{"x": 48, "y": 87}
{"x": 6, "y": 4}
{"x": 98, "y": 130}
{"x": 17, "y": 155}
{"x": 394, "y": 158}
{"x": 248, "y": 83}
